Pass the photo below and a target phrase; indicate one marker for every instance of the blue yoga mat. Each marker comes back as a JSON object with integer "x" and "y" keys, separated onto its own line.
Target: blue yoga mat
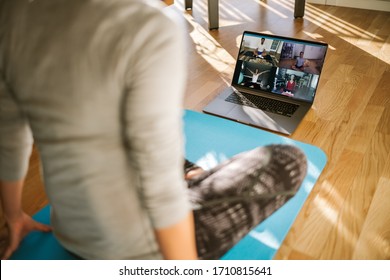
{"x": 209, "y": 141}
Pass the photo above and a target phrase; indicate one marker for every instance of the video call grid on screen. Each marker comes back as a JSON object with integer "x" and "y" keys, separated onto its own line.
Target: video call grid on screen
{"x": 279, "y": 65}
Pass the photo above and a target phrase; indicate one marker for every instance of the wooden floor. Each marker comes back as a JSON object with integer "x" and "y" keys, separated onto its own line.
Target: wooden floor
{"x": 347, "y": 215}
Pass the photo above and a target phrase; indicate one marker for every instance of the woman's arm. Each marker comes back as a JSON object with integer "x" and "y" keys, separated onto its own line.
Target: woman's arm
{"x": 182, "y": 246}
{"x": 15, "y": 149}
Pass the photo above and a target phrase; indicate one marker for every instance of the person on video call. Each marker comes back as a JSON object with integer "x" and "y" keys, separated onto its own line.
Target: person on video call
{"x": 262, "y": 47}
{"x": 291, "y": 84}
{"x": 255, "y": 79}
{"x": 75, "y": 79}
{"x": 300, "y": 62}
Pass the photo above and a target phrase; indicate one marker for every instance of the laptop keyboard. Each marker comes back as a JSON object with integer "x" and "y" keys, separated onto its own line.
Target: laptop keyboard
{"x": 263, "y": 103}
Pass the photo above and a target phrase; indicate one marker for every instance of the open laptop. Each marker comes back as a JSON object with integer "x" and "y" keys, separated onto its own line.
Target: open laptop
{"x": 274, "y": 82}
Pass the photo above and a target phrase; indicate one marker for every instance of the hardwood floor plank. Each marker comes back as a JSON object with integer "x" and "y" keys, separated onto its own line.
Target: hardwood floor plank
{"x": 384, "y": 123}
{"x": 381, "y": 95}
{"x": 345, "y": 233}
{"x": 374, "y": 239}
{"x": 365, "y": 128}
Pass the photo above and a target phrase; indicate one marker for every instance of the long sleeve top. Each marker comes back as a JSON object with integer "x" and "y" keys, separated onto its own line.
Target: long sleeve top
{"x": 98, "y": 86}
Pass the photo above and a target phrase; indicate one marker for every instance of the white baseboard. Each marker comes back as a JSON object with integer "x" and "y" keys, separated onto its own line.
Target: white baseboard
{"x": 379, "y": 5}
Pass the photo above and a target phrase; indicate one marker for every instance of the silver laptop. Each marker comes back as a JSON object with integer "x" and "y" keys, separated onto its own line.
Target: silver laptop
{"x": 274, "y": 82}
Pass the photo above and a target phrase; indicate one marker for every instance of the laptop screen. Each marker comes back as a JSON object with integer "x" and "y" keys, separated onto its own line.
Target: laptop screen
{"x": 279, "y": 65}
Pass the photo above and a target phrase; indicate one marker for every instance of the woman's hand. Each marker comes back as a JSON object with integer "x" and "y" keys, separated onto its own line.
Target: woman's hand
{"x": 18, "y": 228}
{"x": 193, "y": 172}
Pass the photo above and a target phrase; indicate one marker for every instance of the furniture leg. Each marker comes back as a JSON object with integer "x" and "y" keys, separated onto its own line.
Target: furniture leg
{"x": 188, "y": 4}
{"x": 213, "y": 6}
{"x": 299, "y": 8}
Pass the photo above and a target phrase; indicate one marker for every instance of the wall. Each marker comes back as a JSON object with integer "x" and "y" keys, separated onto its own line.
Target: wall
{"x": 380, "y": 5}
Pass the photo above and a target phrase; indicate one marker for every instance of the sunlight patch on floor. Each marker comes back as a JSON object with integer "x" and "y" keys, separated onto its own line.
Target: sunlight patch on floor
{"x": 209, "y": 49}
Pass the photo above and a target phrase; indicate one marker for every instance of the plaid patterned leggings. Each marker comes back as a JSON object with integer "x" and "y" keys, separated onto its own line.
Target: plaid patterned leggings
{"x": 234, "y": 197}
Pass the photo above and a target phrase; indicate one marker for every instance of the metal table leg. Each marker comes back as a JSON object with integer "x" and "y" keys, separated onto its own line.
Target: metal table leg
{"x": 299, "y": 8}
{"x": 213, "y": 6}
{"x": 188, "y": 4}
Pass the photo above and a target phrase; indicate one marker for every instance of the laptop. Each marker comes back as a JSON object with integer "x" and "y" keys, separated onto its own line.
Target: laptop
{"x": 274, "y": 82}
